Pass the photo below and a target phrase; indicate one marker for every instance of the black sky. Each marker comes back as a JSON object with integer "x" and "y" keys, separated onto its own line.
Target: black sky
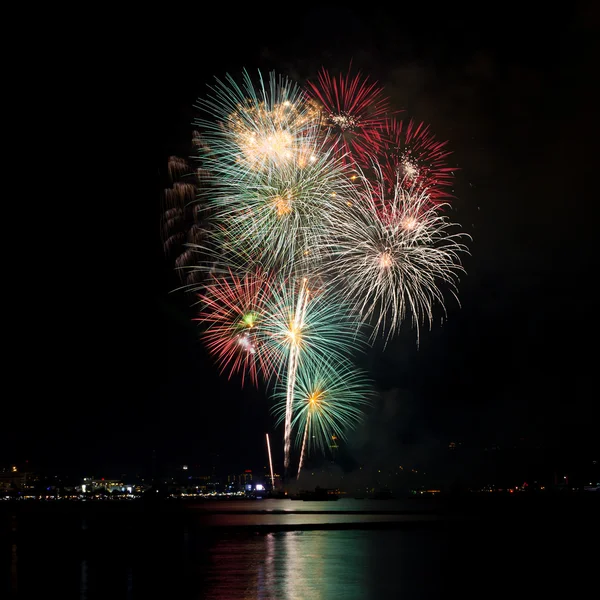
{"x": 515, "y": 92}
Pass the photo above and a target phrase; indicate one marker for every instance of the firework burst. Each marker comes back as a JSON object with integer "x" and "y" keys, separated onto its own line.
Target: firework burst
{"x": 412, "y": 154}
{"x": 276, "y": 215}
{"x": 390, "y": 258}
{"x": 255, "y": 127}
{"x": 353, "y": 112}
{"x": 233, "y": 308}
{"x": 304, "y": 325}
{"x": 329, "y": 401}
{"x": 274, "y": 174}
{"x": 313, "y": 319}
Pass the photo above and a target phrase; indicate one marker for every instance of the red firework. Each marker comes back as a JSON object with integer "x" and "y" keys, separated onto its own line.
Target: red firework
{"x": 354, "y": 111}
{"x": 233, "y": 307}
{"x": 413, "y": 155}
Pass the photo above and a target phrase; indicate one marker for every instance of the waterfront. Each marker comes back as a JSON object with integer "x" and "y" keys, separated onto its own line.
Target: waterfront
{"x": 297, "y": 550}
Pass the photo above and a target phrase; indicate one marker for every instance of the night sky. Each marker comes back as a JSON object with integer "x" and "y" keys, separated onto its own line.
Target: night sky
{"x": 512, "y": 89}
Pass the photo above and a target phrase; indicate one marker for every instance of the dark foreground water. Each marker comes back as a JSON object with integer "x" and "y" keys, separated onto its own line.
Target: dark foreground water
{"x": 300, "y": 550}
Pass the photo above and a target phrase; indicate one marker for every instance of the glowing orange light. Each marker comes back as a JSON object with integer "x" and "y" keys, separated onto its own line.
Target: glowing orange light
{"x": 282, "y": 205}
{"x": 385, "y": 259}
{"x": 294, "y": 334}
{"x": 305, "y": 158}
{"x": 409, "y": 223}
{"x": 315, "y": 398}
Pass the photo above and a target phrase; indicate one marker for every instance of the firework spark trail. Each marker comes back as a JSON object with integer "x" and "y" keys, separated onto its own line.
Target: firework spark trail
{"x": 181, "y": 221}
{"x": 301, "y": 462}
{"x": 270, "y": 463}
{"x": 214, "y": 257}
{"x": 295, "y": 334}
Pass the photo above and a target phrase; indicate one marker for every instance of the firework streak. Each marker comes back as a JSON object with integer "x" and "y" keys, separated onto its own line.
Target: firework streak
{"x": 353, "y": 112}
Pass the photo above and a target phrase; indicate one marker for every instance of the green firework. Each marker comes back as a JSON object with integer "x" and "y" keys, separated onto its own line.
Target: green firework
{"x": 329, "y": 401}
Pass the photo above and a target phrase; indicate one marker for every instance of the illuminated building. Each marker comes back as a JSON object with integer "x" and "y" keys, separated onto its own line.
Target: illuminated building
{"x": 93, "y": 486}
{"x": 14, "y": 479}
{"x": 246, "y": 477}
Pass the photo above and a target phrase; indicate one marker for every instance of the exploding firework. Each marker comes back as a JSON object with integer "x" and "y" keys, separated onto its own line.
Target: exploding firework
{"x": 287, "y": 205}
{"x": 329, "y": 400}
{"x": 413, "y": 155}
{"x": 276, "y": 215}
{"x": 255, "y": 127}
{"x": 275, "y": 175}
{"x": 233, "y": 308}
{"x": 390, "y": 259}
{"x": 303, "y": 325}
{"x": 353, "y": 112}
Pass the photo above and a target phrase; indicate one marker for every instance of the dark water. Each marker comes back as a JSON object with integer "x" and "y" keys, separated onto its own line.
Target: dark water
{"x": 295, "y": 550}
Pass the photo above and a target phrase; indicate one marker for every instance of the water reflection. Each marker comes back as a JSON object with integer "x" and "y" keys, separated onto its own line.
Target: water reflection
{"x": 83, "y": 580}
{"x": 294, "y": 565}
{"x": 14, "y": 579}
{"x": 139, "y": 555}
{"x": 306, "y": 573}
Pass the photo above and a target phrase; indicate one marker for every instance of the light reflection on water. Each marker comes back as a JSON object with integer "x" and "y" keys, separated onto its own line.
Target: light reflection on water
{"x": 167, "y": 558}
{"x": 349, "y": 505}
{"x": 140, "y": 554}
{"x": 295, "y": 513}
{"x": 298, "y": 519}
{"x": 298, "y": 565}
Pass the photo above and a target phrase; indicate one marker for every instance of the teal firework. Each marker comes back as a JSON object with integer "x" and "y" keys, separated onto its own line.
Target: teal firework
{"x": 305, "y": 323}
{"x": 277, "y": 215}
{"x": 254, "y": 126}
{"x": 305, "y": 316}
{"x": 329, "y": 401}
{"x": 275, "y": 178}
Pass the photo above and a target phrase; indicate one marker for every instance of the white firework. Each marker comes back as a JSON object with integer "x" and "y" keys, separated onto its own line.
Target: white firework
{"x": 392, "y": 255}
